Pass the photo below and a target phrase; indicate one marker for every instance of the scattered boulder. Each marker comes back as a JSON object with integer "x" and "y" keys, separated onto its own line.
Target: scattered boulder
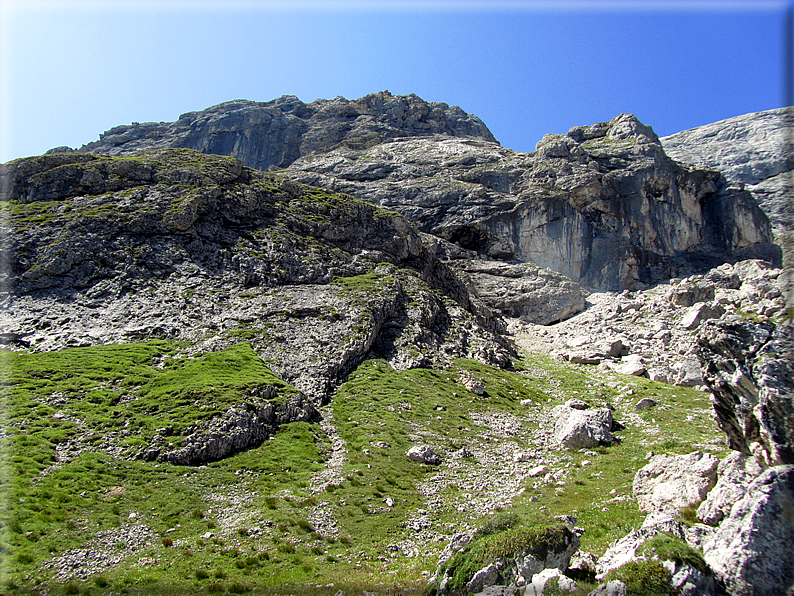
{"x": 476, "y": 386}
{"x": 687, "y": 373}
{"x": 668, "y": 483}
{"x": 423, "y": 454}
{"x": 582, "y": 429}
{"x": 752, "y": 551}
{"x": 644, "y": 404}
{"x": 699, "y": 313}
{"x": 631, "y": 365}
{"x": 691, "y": 293}
{"x": 589, "y": 350}
{"x": 487, "y": 576}
{"x": 538, "y": 471}
{"x": 538, "y": 584}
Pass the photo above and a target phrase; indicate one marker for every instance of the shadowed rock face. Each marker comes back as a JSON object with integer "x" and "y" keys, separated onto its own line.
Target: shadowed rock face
{"x": 276, "y": 133}
{"x": 748, "y": 366}
{"x": 754, "y": 151}
{"x": 602, "y": 204}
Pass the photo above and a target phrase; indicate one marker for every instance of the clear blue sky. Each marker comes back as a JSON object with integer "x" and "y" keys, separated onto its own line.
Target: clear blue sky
{"x": 72, "y": 69}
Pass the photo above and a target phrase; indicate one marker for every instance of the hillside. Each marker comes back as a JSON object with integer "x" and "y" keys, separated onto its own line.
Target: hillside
{"x": 228, "y": 380}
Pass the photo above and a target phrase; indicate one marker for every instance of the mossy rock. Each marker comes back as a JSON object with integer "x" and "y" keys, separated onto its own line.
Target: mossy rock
{"x": 516, "y": 541}
{"x": 670, "y": 548}
{"x": 643, "y": 578}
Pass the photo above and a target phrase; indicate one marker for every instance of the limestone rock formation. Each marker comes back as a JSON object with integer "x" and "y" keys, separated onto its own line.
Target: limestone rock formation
{"x": 180, "y": 245}
{"x": 734, "y": 474}
{"x": 749, "y": 368}
{"x": 754, "y": 150}
{"x": 523, "y": 291}
{"x": 237, "y": 429}
{"x": 626, "y": 549}
{"x": 668, "y": 483}
{"x": 603, "y": 204}
{"x": 752, "y": 551}
{"x": 276, "y": 133}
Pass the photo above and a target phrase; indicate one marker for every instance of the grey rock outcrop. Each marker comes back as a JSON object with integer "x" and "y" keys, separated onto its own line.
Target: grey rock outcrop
{"x": 603, "y": 205}
{"x": 668, "y": 483}
{"x": 626, "y": 549}
{"x": 276, "y": 133}
{"x": 734, "y": 474}
{"x": 239, "y": 428}
{"x": 754, "y": 150}
{"x": 551, "y": 549}
{"x": 223, "y": 254}
{"x": 749, "y": 368}
{"x": 752, "y": 551}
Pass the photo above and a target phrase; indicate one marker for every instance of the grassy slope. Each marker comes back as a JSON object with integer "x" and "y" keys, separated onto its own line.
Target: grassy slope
{"x": 246, "y": 521}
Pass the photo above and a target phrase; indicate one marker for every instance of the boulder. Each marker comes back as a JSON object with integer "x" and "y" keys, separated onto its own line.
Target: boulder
{"x": 699, "y": 313}
{"x": 668, "y": 483}
{"x": 752, "y": 551}
{"x": 734, "y": 475}
{"x": 538, "y": 584}
{"x": 630, "y": 365}
{"x": 533, "y": 294}
{"x": 644, "y": 404}
{"x": 487, "y": 576}
{"x": 689, "y": 294}
{"x": 423, "y": 454}
{"x": 687, "y": 373}
{"x": 749, "y": 367}
{"x": 582, "y": 429}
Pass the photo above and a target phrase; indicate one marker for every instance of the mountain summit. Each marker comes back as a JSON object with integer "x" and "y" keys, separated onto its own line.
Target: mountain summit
{"x": 275, "y": 133}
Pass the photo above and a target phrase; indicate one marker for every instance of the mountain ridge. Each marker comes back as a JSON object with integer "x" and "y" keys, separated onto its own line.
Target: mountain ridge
{"x": 566, "y": 206}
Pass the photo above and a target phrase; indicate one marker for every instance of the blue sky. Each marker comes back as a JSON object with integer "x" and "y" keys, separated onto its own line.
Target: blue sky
{"x": 72, "y": 69}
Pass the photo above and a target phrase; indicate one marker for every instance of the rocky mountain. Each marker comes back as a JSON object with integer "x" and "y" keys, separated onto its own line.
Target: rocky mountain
{"x": 348, "y": 376}
{"x": 754, "y": 151}
{"x": 273, "y": 134}
{"x": 603, "y": 205}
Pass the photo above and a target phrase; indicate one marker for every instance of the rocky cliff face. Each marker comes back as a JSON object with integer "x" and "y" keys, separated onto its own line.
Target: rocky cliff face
{"x": 224, "y": 253}
{"x": 276, "y": 133}
{"x": 602, "y": 204}
{"x": 754, "y": 151}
